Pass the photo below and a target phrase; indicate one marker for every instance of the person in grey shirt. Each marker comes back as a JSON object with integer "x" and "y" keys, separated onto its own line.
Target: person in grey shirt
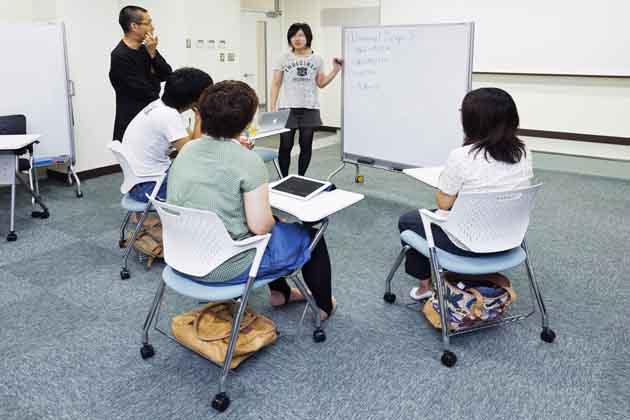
{"x": 301, "y": 73}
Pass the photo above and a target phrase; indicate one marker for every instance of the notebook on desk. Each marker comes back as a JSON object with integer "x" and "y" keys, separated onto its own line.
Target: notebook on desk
{"x": 299, "y": 187}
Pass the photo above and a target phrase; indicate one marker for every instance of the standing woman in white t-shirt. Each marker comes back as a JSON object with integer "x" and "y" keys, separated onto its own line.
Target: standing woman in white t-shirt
{"x": 301, "y": 73}
{"x": 491, "y": 158}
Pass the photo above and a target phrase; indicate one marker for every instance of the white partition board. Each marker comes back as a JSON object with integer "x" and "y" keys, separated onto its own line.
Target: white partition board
{"x": 402, "y": 90}
{"x": 34, "y": 82}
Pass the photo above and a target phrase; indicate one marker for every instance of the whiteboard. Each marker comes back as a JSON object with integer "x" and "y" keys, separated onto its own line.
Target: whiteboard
{"x": 34, "y": 82}
{"x": 536, "y": 36}
{"x": 402, "y": 90}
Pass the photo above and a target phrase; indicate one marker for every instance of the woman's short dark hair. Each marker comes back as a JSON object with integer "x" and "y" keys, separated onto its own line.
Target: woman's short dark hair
{"x": 184, "y": 87}
{"x": 295, "y": 28}
{"x": 490, "y": 120}
{"x": 226, "y": 108}
{"x": 129, "y": 15}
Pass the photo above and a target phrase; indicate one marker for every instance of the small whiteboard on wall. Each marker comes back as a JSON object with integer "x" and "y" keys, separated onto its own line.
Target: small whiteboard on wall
{"x": 34, "y": 82}
{"x": 402, "y": 90}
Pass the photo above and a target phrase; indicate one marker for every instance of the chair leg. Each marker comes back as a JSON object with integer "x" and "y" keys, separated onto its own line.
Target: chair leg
{"x": 547, "y": 334}
{"x": 147, "y": 349}
{"x": 124, "y": 271}
{"x": 221, "y": 401}
{"x": 123, "y": 230}
{"x": 390, "y": 297}
{"x": 318, "y": 334}
{"x": 30, "y": 182}
{"x": 448, "y": 357}
{"x": 277, "y": 166}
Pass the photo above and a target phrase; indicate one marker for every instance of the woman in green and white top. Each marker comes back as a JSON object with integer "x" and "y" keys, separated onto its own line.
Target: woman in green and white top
{"x": 301, "y": 73}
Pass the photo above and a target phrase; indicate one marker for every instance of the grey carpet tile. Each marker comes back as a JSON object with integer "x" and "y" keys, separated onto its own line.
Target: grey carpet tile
{"x": 33, "y": 240}
{"x": 38, "y": 318}
{"x": 15, "y": 288}
{"x": 59, "y": 264}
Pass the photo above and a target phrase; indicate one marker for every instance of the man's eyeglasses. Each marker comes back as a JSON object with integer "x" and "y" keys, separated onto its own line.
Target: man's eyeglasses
{"x": 144, "y": 23}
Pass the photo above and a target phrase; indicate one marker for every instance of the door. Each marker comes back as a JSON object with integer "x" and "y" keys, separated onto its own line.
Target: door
{"x": 260, "y": 43}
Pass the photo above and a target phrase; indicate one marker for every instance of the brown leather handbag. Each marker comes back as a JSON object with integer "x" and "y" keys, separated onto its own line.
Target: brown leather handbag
{"x": 206, "y": 331}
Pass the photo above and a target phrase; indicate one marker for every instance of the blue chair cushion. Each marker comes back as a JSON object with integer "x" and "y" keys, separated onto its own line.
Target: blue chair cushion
{"x": 130, "y": 204}
{"x": 205, "y": 291}
{"x": 467, "y": 265}
{"x": 267, "y": 155}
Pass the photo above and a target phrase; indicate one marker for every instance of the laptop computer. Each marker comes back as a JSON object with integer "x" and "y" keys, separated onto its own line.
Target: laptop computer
{"x": 272, "y": 121}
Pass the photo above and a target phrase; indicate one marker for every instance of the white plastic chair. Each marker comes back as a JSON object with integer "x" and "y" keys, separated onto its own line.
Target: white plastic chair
{"x": 484, "y": 222}
{"x": 195, "y": 243}
{"x": 130, "y": 179}
{"x": 269, "y": 155}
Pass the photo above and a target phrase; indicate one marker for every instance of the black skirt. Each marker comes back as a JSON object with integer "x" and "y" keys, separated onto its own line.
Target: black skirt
{"x": 304, "y": 117}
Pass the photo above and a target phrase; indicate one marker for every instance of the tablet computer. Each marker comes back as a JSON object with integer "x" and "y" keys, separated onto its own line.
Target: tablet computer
{"x": 300, "y": 187}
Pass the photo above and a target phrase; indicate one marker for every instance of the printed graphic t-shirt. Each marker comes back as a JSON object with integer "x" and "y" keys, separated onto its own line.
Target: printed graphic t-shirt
{"x": 299, "y": 87}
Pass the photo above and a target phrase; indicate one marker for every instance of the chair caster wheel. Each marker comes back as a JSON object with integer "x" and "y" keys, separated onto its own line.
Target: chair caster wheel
{"x": 389, "y": 297}
{"x": 79, "y": 195}
{"x": 147, "y": 351}
{"x": 319, "y": 335}
{"x": 547, "y": 335}
{"x": 359, "y": 179}
{"x": 122, "y": 243}
{"x": 221, "y": 402}
{"x": 124, "y": 274}
{"x": 40, "y": 214}
{"x": 449, "y": 359}
{"x": 11, "y": 237}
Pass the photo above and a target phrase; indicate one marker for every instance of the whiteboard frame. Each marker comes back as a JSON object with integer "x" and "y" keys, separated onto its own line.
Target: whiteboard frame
{"x": 69, "y": 95}
{"x": 381, "y": 163}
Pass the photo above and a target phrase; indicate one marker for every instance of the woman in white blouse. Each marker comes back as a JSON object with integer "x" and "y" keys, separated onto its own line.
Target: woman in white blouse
{"x": 491, "y": 158}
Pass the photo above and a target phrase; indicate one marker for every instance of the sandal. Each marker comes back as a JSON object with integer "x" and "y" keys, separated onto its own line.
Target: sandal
{"x": 413, "y": 294}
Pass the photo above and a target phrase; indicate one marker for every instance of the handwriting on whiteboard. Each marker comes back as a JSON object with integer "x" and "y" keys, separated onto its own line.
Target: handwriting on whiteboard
{"x": 369, "y": 53}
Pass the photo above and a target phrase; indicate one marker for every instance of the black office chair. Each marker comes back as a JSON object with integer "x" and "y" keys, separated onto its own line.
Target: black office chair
{"x": 16, "y": 124}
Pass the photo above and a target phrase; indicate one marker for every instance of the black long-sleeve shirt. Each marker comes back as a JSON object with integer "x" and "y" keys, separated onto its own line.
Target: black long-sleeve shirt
{"x": 136, "y": 79}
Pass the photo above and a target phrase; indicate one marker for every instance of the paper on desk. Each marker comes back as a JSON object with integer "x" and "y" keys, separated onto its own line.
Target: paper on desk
{"x": 428, "y": 175}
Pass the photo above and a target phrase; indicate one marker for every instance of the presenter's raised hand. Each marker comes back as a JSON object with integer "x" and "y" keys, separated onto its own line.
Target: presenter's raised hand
{"x": 151, "y": 42}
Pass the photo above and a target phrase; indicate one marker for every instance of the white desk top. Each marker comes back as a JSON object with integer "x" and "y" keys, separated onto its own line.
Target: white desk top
{"x": 269, "y": 134}
{"x": 17, "y": 141}
{"x": 317, "y": 208}
{"x": 429, "y": 175}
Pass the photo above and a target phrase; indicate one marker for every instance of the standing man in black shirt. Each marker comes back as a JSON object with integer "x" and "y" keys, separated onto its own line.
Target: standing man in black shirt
{"x": 137, "y": 68}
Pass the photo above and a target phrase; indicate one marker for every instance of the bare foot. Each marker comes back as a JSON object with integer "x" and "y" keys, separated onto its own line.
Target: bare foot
{"x": 277, "y": 299}
{"x": 323, "y": 315}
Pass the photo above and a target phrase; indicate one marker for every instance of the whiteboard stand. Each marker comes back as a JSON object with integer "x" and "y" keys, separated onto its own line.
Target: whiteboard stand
{"x": 402, "y": 88}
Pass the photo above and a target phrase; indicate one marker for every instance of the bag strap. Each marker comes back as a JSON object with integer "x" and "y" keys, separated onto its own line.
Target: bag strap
{"x": 503, "y": 282}
{"x": 215, "y": 309}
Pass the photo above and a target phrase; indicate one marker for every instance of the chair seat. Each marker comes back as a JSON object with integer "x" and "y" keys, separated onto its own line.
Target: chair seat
{"x": 267, "y": 155}
{"x": 130, "y": 204}
{"x": 467, "y": 265}
{"x": 208, "y": 291}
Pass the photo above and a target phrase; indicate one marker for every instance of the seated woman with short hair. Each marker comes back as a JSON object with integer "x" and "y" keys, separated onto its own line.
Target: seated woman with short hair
{"x": 216, "y": 173}
{"x": 491, "y": 158}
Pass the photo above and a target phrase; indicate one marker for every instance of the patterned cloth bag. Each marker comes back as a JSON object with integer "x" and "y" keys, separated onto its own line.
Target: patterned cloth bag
{"x": 471, "y": 300}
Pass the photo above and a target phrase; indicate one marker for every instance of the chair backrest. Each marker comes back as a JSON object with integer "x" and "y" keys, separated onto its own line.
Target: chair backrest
{"x": 13, "y": 124}
{"x": 491, "y": 221}
{"x": 130, "y": 178}
{"x": 196, "y": 241}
